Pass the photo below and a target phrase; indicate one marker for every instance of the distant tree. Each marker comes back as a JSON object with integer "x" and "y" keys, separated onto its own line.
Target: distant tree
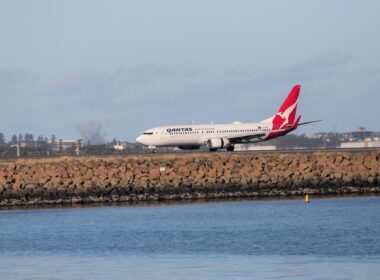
{"x": 29, "y": 139}
{"x": 2, "y": 139}
{"x": 114, "y": 141}
{"x": 60, "y": 146}
{"x": 14, "y": 139}
{"x": 332, "y": 140}
{"x": 41, "y": 140}
{"x": 20, "y": 138}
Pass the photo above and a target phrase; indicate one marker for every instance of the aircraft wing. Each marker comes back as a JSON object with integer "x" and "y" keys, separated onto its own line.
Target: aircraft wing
{"x": 246, "y": 138}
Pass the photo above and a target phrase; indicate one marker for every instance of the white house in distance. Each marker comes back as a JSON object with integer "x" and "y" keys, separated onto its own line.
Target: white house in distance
{"x": 120, "y": 146}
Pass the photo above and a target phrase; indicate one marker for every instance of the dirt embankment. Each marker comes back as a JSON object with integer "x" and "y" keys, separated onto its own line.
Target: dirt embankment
{"x": 187, "y": 176}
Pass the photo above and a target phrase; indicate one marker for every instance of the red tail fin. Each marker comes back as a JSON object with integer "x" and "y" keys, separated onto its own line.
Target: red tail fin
{"x": 287, "y": 112}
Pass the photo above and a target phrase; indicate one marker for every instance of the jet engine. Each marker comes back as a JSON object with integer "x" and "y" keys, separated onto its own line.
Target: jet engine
{"x": 217, "y": 143}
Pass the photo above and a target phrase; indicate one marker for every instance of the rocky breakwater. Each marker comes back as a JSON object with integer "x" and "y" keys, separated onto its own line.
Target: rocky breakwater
{"x": 187, "y": 176}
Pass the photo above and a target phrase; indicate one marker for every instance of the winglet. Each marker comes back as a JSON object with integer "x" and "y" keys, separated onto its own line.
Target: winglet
{"x": 294, "y": 125}
{"x": 297, "y": 122}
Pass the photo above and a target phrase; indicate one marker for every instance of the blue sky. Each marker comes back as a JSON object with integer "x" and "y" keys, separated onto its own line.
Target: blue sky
{"x": 133, "y": 65}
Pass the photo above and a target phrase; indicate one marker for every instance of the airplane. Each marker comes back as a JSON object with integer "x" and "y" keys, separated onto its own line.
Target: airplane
{"x": 225, "y": 136}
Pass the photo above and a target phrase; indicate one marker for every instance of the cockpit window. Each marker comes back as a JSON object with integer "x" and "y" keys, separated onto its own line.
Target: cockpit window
{"x": 148, "y": 133}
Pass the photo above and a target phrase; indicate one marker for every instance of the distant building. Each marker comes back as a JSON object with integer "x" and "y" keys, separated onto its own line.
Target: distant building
{"x": 63, "y": 145}
{"x": 361, "y": 134}
{"x": 120, "y": 146}
{"x": 366, "y": 143}
{"x": 361, "y": 138}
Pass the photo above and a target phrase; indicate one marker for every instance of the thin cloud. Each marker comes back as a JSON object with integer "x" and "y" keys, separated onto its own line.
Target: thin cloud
{"x": 149, "y": 95}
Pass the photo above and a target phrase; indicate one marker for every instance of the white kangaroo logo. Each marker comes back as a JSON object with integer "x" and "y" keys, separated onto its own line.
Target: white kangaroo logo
{"x": 285, "y": 115}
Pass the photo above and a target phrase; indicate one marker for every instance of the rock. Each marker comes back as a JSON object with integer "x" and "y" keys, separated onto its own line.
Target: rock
{"x": 83, "y": 180}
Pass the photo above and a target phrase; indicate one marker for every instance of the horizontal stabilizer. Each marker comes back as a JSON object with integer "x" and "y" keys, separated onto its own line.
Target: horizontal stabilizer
{"x": 309, "y": 122}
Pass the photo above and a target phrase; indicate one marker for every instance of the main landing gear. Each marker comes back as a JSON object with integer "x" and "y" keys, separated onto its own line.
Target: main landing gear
{"x": 231, "y": 148}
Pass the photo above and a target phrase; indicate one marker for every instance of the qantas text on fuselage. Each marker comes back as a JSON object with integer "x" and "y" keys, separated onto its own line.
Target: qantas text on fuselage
{"x": 225, "y": 136}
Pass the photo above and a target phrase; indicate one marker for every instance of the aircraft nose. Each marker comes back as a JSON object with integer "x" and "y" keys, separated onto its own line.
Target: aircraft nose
{"x": 139, "y": 139}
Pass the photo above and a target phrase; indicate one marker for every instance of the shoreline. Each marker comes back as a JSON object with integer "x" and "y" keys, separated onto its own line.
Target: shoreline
{"x": 181, "y": 202}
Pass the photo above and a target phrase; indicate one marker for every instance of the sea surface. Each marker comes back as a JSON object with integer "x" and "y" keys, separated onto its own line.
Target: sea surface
{"x": 334, "y": 238}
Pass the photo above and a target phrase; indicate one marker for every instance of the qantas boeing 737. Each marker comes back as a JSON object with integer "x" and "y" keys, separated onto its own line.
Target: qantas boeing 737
{"x": 225, "y": 136}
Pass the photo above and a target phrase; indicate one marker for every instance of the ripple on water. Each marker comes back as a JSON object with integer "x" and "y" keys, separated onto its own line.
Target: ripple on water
{"x": 327, "y": 239}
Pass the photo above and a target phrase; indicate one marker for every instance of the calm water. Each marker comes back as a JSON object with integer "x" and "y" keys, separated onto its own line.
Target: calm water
{"x": 283, "y": 239}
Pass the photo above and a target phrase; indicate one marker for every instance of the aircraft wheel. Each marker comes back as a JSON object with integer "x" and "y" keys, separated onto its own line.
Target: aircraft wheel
{"x": 230, "y": 148}
{"x": 213, "y": 149}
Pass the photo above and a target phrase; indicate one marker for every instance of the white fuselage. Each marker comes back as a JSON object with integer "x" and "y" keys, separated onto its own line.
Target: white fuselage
{"x": 197, "y": 135}
{"x": 225, "y": 136}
